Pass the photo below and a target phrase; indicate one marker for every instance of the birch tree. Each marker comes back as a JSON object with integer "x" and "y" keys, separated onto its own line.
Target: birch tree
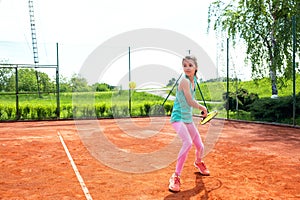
{"x": 265, "y": 26}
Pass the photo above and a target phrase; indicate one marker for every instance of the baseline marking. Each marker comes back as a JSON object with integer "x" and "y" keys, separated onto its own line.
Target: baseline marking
{"x": 79, "y": 178}
{"x": 27, "y": 138}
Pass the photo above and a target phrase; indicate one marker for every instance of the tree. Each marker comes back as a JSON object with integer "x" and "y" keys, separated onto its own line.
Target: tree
{"x": 27, "y": 81}
{"x": 266, "y": 28}
{"x": 79, "y": 84}
{"x": 102, "y": 87}
{"x": 171, "y": 82}
{"x": 46, "y": 85}
{"x": 64, "y": 85}
{"x": 5, "y": 74}
{"x": 239, "y": 100}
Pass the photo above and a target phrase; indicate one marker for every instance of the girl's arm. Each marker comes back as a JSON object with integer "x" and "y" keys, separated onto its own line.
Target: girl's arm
{"x": 184, "y": 86}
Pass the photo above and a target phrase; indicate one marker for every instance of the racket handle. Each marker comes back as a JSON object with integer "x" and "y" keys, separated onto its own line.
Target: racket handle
{"x": 202, "y": 113}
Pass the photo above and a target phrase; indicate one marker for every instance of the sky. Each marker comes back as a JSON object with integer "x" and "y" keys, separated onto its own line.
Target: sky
{"x": 81, "y": 26}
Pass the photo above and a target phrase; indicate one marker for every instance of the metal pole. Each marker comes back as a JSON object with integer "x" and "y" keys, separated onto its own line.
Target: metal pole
{"x": 294, "y": 68}
{"x": 171, "y": 90}
{"x": 57, "y": 85}
{"x": 227, "y": 93}
{"x": 129, "y": 90}
{"x": 17, "y": 94}
{"x": 202, "y": 96}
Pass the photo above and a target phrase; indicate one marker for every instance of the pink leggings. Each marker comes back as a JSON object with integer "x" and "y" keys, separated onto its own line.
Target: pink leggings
{"x": 189, "y": 135}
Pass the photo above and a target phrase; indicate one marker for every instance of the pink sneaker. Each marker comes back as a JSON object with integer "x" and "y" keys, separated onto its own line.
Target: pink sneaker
{"x": 202, "y": 168}
{"x": 174, "y": 183}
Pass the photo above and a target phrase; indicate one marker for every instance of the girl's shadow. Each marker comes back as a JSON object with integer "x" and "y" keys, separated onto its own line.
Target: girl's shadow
{"x": 199, "y": 187}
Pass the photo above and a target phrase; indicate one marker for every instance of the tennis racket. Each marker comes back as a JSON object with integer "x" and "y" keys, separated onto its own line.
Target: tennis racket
{"x": 209, "y": 117}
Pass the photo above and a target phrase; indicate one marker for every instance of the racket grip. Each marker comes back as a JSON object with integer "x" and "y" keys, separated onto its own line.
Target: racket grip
{"x": 202, "y": 113}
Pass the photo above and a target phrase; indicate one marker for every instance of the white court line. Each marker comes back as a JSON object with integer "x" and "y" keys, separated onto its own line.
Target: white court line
{"x": 27, "y": 137}
{"x": 80, "y": 179}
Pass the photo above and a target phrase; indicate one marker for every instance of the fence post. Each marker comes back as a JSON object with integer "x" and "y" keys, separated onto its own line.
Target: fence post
{"x": 17, "y": 94}
{"x": 57, "y": 85}
{"x": 129, "y": 74}
{"x": 294, "y": 68}
{"x": 227, "y": 63}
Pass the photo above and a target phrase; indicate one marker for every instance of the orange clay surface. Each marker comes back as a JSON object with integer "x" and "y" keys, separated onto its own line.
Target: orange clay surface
{"x": 248, "y": 161}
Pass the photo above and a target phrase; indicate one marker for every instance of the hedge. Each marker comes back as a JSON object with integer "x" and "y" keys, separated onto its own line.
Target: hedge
{"x": 69, "y": 111}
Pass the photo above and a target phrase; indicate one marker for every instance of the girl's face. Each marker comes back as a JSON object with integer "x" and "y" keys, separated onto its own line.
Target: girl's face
{"x": 189, "y": 67}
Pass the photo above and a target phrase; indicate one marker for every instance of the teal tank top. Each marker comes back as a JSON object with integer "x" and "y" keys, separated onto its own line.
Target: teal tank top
{"x": 181, "y": 109}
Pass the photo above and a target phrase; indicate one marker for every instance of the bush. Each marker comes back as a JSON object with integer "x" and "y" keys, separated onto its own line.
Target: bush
{"x": 242, "y": 97}
{"x": 100, "y": 109}
{"x": 168, "y": 108}
{"x": 147, "y": 107}
{"x": 7, "y": 112}
{"x": 278, "y": 110}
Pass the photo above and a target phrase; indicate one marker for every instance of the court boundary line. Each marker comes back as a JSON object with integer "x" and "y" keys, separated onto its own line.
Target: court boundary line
{"x": 79, "y": 177}
{"x": 27, "y": 138}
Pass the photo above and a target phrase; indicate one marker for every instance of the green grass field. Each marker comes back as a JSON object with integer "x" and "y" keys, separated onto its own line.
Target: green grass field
{"x": 79, "y": 105}
{"x": 116, "y": 103}
{"x": 212, "y": 90}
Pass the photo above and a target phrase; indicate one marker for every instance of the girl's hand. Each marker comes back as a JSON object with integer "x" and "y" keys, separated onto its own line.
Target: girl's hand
{"x": 203, "y": 111}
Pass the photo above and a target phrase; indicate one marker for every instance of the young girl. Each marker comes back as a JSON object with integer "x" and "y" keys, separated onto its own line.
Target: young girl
{"x": 182, "y": 121}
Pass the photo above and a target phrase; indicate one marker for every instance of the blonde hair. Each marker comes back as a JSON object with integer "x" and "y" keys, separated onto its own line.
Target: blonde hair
{"x": 192, "y": 58}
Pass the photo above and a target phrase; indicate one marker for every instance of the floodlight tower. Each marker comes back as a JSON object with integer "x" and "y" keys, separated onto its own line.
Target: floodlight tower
{"x": 33, "y": 32}
{"x": 34, "y": 41}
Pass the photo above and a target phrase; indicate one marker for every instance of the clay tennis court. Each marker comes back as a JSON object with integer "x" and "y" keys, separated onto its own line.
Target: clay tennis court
{"x": 64, "y": 160}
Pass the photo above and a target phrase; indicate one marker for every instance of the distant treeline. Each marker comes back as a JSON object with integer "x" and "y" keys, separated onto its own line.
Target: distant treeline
{"x": 30, "y": 80}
